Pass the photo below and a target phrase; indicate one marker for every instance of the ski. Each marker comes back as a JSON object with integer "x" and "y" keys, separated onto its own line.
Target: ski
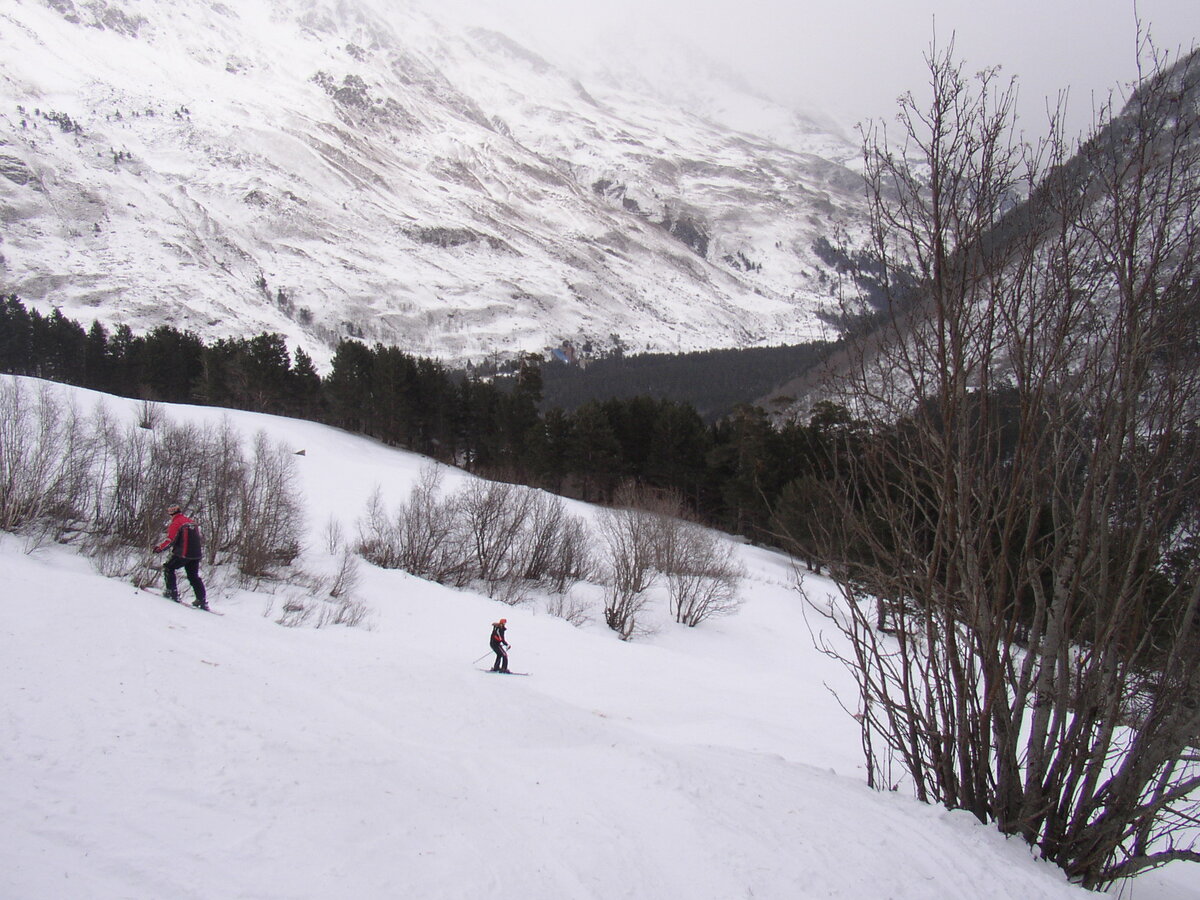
{"x": 494, "y": 672}
{"x": 159, "y": 593}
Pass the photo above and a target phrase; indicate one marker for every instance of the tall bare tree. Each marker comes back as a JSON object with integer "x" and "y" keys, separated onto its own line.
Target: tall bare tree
{"x": 1027, "y": 502}
{"x": 628, "y": 532}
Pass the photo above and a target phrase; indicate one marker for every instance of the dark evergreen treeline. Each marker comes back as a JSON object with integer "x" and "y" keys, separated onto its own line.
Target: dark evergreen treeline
{"x": 712, "y": 381}
{"x": 732, "y": 471}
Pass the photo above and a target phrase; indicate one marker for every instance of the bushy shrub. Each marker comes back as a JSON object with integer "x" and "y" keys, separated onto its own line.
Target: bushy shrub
{"x": 423, "y": 536}
{"x": 702, "y": 577}
{"x": 45, "y": 461}
{"x": 504, "y": 537}
{"x": 105, "y": 485}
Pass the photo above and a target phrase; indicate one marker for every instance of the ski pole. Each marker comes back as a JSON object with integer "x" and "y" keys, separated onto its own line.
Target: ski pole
{"x": 485, "y": 656}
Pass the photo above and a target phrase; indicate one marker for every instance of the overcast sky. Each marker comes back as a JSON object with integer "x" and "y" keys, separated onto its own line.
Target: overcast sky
{"x": 852, "y": 58}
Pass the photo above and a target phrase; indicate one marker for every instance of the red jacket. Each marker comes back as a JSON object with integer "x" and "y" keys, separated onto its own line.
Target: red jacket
{"x": 186, "y": 540}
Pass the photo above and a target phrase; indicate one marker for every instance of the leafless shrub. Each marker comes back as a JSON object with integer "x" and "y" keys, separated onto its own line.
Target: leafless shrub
{"x": 553, "y": 547}
{"x": 433, "y": 542}
{"x": 378, "y": 537}
{"x": 64, "y": 477}
{"x": 546, "y": 516}
{"x": 71, "y": 486}
{"x": 628, "y": 534}
{"x": 225, "y": 476}
{"x": 345, "y": 611}
{"x": 702, "y": 576}
{"x": 494, "y": 516}
{"x": 572, "y": 561}
{"x": 335, "y": 538}
{"x": 510, "y": 590}
{"x": 568, "y": 608}
{"x": 150, "y": 415}
{"x": 248, "y": 508}
{"x": 146, "y": 573}
{"x": 1027, "y": 490}
{"x": 424, "y": 536}
{"x": 113, "y": 558}
{"x": 120, "y": 506}
{"x": 175, "y": 468}
{"x": 271, "y": 518}
{"x": 314, "y": 605}
{"x": 346, "y": 578}
{"x": 45, "y": 462}
{"x": 294, "y": 610}
{"x": 504, "y": 537}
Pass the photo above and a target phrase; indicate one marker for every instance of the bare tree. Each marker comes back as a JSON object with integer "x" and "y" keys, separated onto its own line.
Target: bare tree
{"x": 547, "y": 516}
{"x": 225, "y": 476}
{"x": 569, "y": 609}
{"x": 66, "y": 477}
{"x": 271, "y": 516}
{"x": 572, "y": 560}
{"x": 628, "y": 532}
{"x": 378, "y": 536}
{"x": 702, "y": 575}
{"x": 345, "y": 580}
{"x": 1028, "y": 496}
{"x": 424, "y": 537}
{"x": 150, "y": 415}
{"x": 494, "y": 517}
{"x": 553, "y": 549}
{"x": 334, "y": 536}
{"x": 45, "y": 460}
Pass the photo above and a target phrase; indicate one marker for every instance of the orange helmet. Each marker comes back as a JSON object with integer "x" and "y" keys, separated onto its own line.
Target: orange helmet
{"x": 504, "y": 621}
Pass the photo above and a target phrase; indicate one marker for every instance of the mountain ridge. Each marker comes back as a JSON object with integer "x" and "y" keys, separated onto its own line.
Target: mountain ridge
{"x": 321, "y": 170}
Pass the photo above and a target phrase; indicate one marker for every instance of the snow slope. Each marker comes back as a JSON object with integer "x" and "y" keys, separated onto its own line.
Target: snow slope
{"x": 153, "y": 751}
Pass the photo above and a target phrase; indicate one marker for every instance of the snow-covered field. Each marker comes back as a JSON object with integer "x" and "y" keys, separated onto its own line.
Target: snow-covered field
{"x": 152, "y": 751}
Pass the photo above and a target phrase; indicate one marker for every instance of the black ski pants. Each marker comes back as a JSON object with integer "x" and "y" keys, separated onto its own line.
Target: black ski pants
{"x": 191, "y": 568}
{"x": 501, "y": 663}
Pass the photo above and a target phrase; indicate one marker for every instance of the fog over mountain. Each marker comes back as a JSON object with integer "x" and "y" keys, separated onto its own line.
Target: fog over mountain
{"x": 326, "y": 169}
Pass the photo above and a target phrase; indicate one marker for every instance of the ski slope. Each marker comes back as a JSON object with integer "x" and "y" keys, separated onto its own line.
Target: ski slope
{"x": 152, "y": 751}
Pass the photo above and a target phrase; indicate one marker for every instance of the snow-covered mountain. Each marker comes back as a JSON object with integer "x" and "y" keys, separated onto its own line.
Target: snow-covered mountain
{"x": 325, "y": 168}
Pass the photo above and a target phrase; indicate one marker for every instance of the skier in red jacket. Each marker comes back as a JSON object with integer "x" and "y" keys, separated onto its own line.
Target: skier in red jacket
{"x": 499, "y": 646}
{"x": 183, "y": 537}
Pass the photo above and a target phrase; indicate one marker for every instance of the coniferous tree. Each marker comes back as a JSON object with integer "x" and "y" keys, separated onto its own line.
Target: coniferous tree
{"x": 125, "y": 374}
{"x": 97, "y": 363}
{"x": 304, "y": 394}
{"x": 168, "y": 363}
{"x": 742, "y": 459}
{"x": 595, "y": 453}
{"x": 58, "y": 347}
{"x": 16, "y": 337}
{"x": 479, "y": 425}
{"x": 519, "y": 415}
{"x": 267, "y": 368}
{"x": 679, "y": 445}
{"x": 348, "y": 388}
{"x": 392, "y": 386}
{"x": 433, "y": 399}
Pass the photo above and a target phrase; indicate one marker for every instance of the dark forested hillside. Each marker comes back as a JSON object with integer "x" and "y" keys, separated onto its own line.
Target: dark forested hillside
{"x": 714, "y": 382}
{"x": 731, "y": 471}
